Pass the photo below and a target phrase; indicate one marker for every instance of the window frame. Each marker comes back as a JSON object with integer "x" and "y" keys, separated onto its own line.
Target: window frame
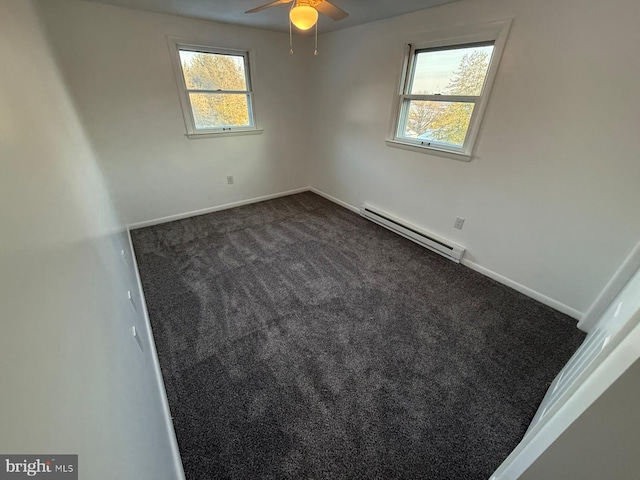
{"x": 178, "y": 45}
{"x": 495, "y": 33}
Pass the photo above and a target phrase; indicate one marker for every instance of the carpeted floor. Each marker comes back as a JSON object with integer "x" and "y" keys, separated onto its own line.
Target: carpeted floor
{"x": 300, "y": 341}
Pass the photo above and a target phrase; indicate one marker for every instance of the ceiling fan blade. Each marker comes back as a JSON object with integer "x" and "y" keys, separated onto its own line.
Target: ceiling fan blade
{"x": 330, "y": 10}
{"x": 272, "y": 4}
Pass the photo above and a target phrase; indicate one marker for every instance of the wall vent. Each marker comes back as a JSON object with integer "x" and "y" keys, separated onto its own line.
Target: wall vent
{"x": 432, "y": 242}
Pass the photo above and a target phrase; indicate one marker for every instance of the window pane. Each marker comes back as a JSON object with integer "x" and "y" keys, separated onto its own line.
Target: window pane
{"x": 214, "y": 110}
{"x": 212, "y": 71}
{"x": 438, "y": 122}
{"x": 456, "y": 71}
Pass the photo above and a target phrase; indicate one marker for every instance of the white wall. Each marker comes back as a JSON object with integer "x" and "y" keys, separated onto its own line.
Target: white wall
{"x": 116, "y": 62}
{"x": 73, "y": 379}
{"x": 550, "y": 198}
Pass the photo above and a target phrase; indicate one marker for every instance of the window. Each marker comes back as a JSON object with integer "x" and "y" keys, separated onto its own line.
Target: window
{"x": 215, "y": 90}
{"x": 444, "y": 91}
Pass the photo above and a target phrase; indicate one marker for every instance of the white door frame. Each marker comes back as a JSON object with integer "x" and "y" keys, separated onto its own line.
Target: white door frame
{"x": 616, "y": 357}
{"x": 611, "y": 289}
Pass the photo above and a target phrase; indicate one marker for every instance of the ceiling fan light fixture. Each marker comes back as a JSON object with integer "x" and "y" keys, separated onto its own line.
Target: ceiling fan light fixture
{"x": 303, "y": 16}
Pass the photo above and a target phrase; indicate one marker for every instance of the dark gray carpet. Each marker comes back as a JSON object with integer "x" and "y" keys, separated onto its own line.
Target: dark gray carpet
{"x": 299, "y": 341}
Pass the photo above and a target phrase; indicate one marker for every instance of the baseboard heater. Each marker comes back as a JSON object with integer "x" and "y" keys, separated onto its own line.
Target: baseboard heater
{"x": 432, "y": 242}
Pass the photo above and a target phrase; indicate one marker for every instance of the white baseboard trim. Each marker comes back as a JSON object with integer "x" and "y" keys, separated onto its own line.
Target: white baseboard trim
{"x": 175, "y": 451}
{"x": 217, "y": 208}
{"x": 572, "y": 312}
{"x": 550, "y": 302}
{"x": 335, "y": 200}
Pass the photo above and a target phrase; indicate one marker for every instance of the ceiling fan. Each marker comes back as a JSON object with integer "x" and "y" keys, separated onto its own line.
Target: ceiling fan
{"x": 304, "y": 13}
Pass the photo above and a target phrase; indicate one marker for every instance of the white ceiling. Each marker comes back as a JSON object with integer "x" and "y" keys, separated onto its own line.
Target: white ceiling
{"x": 276, "y": 18}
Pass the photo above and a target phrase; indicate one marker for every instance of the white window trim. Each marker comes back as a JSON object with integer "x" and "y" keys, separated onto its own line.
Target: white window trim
{"x": 177, "y": 44}
{"x": 496, "y": 32}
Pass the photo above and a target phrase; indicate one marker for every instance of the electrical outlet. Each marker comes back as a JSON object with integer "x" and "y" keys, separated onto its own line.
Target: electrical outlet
{"x": 459, "y": 223}
{"x": 230, "y": 180}
{"x": 124, "y": 256}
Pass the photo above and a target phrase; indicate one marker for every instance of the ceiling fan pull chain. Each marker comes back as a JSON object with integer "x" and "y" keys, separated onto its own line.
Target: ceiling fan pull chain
{"x": 316, "y": 51}
{"x": 290, "y": 33}
{"x": 290, "y": 40}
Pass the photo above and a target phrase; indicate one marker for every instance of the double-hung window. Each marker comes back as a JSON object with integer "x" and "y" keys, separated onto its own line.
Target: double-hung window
{"x": 444, "y": 91}
{"x": 215, "y": 90}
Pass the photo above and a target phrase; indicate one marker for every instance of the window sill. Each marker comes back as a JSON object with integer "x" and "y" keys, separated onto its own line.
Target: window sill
{"x": 462, "y": 157}
{"x": 198, "y": 136}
